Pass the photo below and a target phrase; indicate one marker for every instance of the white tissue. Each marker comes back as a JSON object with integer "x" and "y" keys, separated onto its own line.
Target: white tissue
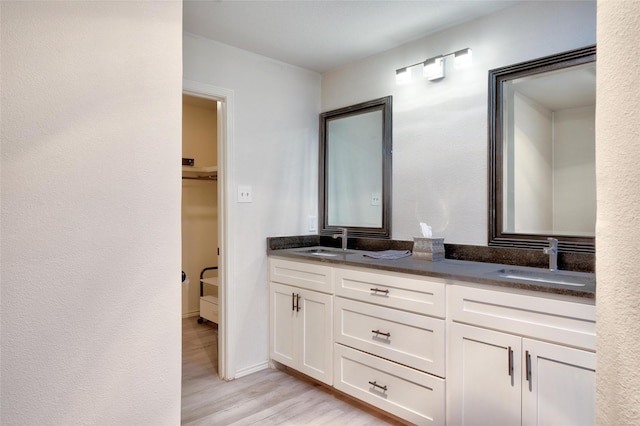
{"x": 426, "y": 230}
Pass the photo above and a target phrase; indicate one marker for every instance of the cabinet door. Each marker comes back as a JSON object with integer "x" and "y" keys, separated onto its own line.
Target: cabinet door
{"x": 484, "y": 377}
{"x": 316, "y": 335}
{"x": 559, "y": 385}
{"x": 283, "y": 324}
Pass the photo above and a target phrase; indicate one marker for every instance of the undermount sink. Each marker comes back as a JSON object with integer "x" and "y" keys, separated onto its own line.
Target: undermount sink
{"x": 547, "y": 277}
{"x": 326, "y": 252}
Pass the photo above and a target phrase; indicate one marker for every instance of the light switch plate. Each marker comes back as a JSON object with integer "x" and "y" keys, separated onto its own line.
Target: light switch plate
{"x": 375, "y": 198}
{"x": 245, "y": 194}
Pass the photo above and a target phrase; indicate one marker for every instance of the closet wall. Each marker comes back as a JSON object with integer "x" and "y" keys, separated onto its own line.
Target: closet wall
{"x": 199, "y": 198}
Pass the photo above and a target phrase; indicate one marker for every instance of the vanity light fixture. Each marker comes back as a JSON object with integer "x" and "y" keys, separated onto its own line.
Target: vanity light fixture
{"x": 462, "y": 57}
{"x": 433, "y": 68}
{"x": 403, "y": 75}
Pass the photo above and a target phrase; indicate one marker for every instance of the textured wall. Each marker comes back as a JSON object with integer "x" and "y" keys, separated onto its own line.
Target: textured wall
{"x": 618, "y": 220}
{"x": 90, "y": 256}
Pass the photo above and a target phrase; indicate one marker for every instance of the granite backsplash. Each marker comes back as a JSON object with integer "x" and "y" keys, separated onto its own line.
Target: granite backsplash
{"x": 577, "y": 262}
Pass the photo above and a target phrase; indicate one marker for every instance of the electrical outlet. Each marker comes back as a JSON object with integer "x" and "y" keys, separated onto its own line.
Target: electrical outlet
{"x": 313, "y": 224}
{"x": 245, "y": 194}
{"x": 375, "y": 198}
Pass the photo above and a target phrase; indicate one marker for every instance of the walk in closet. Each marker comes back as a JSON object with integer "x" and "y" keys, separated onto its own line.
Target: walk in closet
{"x": 199, "y": 208}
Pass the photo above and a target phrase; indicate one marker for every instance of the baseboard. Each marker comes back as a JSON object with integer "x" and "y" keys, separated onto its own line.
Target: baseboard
{"x": 191, "y": 314}
{"x": 252, "y": 369}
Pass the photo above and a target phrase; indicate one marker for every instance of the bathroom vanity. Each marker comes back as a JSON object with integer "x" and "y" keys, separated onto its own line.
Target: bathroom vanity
{"x": 460, "y": 341}
{"x": 449, "y": 342}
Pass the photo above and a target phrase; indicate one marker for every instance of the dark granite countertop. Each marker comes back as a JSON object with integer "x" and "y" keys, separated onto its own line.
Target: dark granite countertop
{"x": 494, "y": 274}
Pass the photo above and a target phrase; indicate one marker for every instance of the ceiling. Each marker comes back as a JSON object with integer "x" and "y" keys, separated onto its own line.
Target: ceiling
{"x": 321, "y": 35}
{"x": 562, "y": 89}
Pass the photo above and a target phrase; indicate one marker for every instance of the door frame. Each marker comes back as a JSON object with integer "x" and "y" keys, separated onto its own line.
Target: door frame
{"x": 226, "y": 295}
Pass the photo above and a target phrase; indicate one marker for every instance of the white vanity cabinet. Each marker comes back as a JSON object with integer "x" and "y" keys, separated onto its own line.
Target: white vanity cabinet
{"x": 389, "y": 349}
{"x": 390, "y": 339}
{"x": 519, "y": 359}
{"x": 301, "y": 309}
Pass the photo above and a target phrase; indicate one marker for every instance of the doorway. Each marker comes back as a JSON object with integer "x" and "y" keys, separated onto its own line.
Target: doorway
{"x": 223, "y": 99}
{"x": 200, "y": 298}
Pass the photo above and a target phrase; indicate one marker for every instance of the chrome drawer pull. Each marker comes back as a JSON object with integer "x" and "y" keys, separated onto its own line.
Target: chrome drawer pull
{"x": 375, "y": 385}
{"x": 377, "y": 290}
{"x": 380, "y": 333}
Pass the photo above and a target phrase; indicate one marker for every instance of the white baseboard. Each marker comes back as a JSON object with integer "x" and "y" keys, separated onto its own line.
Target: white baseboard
{"x": 252, "y": 369}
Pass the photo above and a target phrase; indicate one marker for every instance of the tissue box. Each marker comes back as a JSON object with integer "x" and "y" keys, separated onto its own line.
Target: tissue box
{"x": 428, "y": 248}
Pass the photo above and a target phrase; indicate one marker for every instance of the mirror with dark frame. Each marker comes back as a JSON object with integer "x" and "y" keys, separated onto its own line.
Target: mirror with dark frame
{"x": 542, "y": 152}
{"x": 355, "y": 170}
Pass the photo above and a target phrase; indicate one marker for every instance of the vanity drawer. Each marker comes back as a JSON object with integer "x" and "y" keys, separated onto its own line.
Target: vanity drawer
{"x": 209, "y": 308}
{"x": 566, "y": 322}
{"x": 410, "y": 394}
{"x": 308, "y": 275}
{"x": 423, "y": 295}
{"x": 408, "y": 338}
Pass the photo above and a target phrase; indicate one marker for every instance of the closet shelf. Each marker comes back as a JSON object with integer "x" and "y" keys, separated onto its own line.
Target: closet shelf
{"x": 189, "y": 172}
{"x": 211, "y": 281}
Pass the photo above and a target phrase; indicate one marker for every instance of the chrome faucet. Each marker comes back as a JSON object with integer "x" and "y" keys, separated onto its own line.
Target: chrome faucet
{"x": 344, "y": 237}
{"x": 552, "y": 251}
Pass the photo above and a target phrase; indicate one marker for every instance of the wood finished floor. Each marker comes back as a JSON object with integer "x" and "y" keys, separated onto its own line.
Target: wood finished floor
{"x": 268, "y": 397}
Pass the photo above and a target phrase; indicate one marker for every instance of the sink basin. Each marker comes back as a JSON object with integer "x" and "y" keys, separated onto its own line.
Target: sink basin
{"x": 326, "y": 252}
{"x": 548, "y": 277}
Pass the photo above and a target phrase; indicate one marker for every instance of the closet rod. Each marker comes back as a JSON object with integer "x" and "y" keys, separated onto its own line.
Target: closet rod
{"x": 200, "y": 177}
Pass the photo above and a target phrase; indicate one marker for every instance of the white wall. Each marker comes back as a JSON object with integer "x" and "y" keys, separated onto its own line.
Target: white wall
{"x": 533, "y": 160}
{"x": 574, "y": 161}
{"x": 440, "y": 127}
{"x": 275, "y": 146}
{"x": 618, "y": 217}
{"x": 90, "y": 310}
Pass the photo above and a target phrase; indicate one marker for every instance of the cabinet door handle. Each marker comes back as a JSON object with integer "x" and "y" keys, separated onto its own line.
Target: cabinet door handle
{"x": 298, "y": 302}
{"x": 510, "y": 361}
{"x": 527, "y": 359}
{"x": 380, "y": 333}
{"x": 377, "y": 290}
{"x": 376, "y": 385}
{"x": 293, "y": 301}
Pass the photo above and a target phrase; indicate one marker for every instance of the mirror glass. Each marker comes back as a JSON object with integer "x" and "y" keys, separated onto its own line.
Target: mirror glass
{"x": 543, "y": 152}
{"x": 355, "y": 169}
